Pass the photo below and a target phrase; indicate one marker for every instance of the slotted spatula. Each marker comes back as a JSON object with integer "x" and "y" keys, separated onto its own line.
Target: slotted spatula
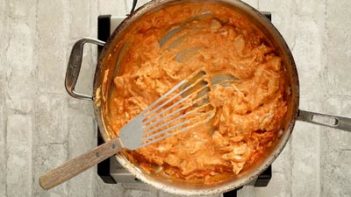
{"x": 183, "y": 107}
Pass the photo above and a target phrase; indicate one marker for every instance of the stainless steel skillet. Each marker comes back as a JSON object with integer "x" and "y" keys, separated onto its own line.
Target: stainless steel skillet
{"x": 109, "y": 61}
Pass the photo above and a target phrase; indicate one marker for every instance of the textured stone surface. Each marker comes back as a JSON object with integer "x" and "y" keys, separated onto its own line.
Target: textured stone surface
{"x": 52, "y": 44}
{"x": 47, "y": 156}
{"x": 139, "y": 193}
{"x": 40, "y": 126}
{"x": 19, "y": 155}
{"x": 336, "y": 146}
{"x": 253, "y": 3}
{"x": 119, "y": 7}
{"x": 338, "y": 48}
{"x": 82, "y": 137}
{"x": 305, "y": 141}
{"x": 336, "y": 152}
{"x": 280, "y": 184}
{"x": 19, "y": 56}
{"x": 3, "y": 156}
{"x": 50, "y": 116}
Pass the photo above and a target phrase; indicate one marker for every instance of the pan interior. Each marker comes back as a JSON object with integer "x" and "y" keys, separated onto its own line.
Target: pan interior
{"x": 115, "y": 63}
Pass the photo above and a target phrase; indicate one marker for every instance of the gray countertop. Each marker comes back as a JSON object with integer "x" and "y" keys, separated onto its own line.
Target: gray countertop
{"x": 41, "y": 126}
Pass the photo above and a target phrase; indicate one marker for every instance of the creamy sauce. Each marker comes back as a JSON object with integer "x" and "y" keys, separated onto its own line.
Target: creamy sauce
{"x": 169, "y": 45}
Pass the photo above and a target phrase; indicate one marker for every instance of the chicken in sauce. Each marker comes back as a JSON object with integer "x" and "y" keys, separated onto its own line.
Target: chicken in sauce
{"x": 170, "y": 44}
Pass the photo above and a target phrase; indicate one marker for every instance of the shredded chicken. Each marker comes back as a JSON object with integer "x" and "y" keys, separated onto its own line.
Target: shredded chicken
{"x": 249, "y": 111}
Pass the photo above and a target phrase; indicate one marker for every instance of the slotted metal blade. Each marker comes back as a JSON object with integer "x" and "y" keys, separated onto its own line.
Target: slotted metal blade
{"x": 179, "y": 109}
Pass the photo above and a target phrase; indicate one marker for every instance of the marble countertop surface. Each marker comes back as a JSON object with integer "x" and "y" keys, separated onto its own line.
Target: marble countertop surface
{"x": 41, "y": 126}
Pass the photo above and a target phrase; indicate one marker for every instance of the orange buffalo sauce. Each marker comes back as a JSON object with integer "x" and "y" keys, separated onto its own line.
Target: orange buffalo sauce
{"x": 168, "y": 45}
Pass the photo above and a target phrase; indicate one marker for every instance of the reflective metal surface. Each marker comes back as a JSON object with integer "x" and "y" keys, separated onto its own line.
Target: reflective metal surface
{"x": 74, "y": 65}
{"x": 335, "y": 122}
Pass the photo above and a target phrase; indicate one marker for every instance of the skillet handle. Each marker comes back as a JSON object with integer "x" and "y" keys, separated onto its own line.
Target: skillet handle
{"x": 336, "y": 122}
{"x": 74, "y": 65}
{"x": 135, "y": 2}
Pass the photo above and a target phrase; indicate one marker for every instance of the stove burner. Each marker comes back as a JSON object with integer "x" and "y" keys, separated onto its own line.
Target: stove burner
{"x": 110, "y": 171}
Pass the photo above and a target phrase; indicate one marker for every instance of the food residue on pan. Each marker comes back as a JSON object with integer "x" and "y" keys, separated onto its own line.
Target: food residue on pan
{"x": 168, "y": 45}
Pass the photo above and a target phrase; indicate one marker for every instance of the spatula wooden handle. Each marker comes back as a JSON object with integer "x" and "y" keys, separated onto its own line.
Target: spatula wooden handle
{"x": 79, "y": 164}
